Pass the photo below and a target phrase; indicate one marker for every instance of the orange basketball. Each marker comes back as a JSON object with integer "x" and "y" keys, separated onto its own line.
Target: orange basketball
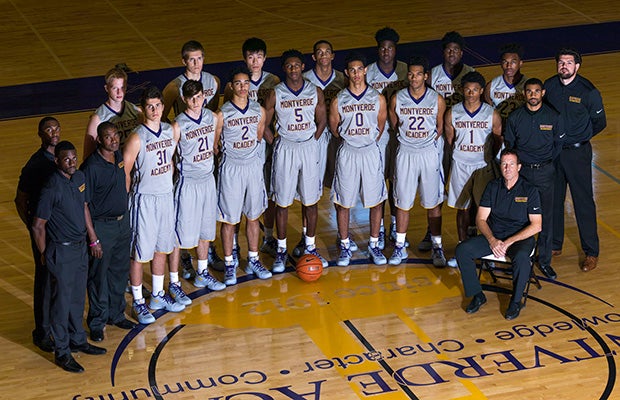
{"x": 309, "y": 268}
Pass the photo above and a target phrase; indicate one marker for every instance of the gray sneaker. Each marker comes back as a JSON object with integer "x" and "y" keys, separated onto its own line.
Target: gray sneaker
{"x": 279, "y": 264}
{"x": 381, "y": 244}
{"x": 312, "y": 250}
{"x": 177, "y": 293}
{"x": 375, "y": 254}
{"x": 161, "y": 301}
{"x": 230, "y": 274}
{"x": 205, "y": 279}
{"x": 352, "y": 245}
{"x": 269, "y": 246}
{"x": 300, "y": 247}
{"x": 256, "y": 267}
{"x": 186, "y": 264}
{"x": 439, "y": 259}
{"x": 398, "y": 255}
{"x": 235, "y": 253}
{"x": 426, "y": 244}
{"x": 141, "y": 313}
{"x": 345, "y": 255}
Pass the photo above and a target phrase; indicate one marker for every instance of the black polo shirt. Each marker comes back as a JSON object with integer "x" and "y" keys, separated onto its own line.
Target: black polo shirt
{"x": 62, "y": 205}
{"x": 34, "y": 175}
{"x": 580, "y": 106}
{"x": 510, "y": 209}
{"x": 106, "y": 190}
{"x": 534, "y": 134}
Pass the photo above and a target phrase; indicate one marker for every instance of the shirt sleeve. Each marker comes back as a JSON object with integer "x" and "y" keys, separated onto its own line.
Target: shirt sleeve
{"x": 597, "y": 112}
{"x": 533, "y": 202}
{"x": 485, "y": 200}
{"x": 47, "y": 200}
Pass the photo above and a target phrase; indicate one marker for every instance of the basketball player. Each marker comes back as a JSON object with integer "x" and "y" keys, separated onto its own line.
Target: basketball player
{"x": 387, "y": 75}
{"x": 416, "y": 113}
{"x": 241, "y": 186}
{"x": 468, "y": 126}
{"x": 195, "y": 193}
{"x": 148, "y": 154}
{"x": 357, "y": 115}
{"x": 505, "y": 92}
{"x": 300, "y": 119}
{"x": 123, "y": 114}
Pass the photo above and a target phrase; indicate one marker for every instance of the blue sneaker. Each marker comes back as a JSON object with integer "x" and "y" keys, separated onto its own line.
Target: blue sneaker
{"x": 345, "y": 255}
{"x": 312, "y": 250}
{"x": 177, "y": 293}
{"x": 280, "y": 264}
{"x": 381, "y": 243}
{"x": 142, "y": 314}
{"x": 230, "y": 274}
{"x": 398, "y": 255}
{"x": 205, "y": 279}
{"x": 161, "y": 301}
{"x": 256, "y": 267}
{"x": 375, "y": 254}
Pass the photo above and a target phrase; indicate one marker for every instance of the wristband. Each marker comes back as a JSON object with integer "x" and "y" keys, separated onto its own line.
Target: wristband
{"x": 93, "y": 244}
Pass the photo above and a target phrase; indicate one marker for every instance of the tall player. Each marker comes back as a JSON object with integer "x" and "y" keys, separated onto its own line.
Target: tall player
{"x": 122, "y": 113}
{"x": 148, "y": 154}
{"x": 505, "y": 92}
{"x": 387, "y": 75}
{"x": 300, "y": 119}
{"x": 241, "y": 186}
{"x": 195, "y": 193}
{"x": 446, "y": 77}
{"x": 468, "y": 126}
{"x": 358, "y": 116}
{"x": 416, "y": 113}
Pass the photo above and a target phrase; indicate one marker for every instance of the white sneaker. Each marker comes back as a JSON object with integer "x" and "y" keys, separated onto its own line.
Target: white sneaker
{"x": 177, "y": 293}
{"x": 452, "y": 263}
{"x": 142, "y": 314}
{"x": 230, "y": 274}
{"x": 398, "y": 255}
{"x": 255, "y": 267}
{"x": 312, "y": 250}
{"x": 279, "y": 265}
{"x": 205, "y": 279}
{"x": 376, "y": 255}
{"x": 161, "y": 301}
{"x": 345, "y": 256}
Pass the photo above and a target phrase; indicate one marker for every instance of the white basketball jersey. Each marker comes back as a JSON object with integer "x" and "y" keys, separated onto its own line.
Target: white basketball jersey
{"x": 153, "y": 167}
{"x": 125, "y": 121}
{"x": 471, "y": 132}
{"x": 331, "y": 87}
{"x": 196, "y": 143}
{"x": 240, "y": 131}
{"x": 295, "y": 111}
{"x": 209, "y": 88}
{"x": 359, "y": 117}
{"x": 418, "y": 118}
{"x": 258, "y": 89}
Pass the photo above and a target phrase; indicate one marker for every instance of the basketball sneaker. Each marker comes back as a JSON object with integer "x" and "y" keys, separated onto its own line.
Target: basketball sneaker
{"x": 439, "y": 259}
{"x": 141, "y": 313}
{"x": 352, "y": 245}
{"x": 312, "y": 250}
{"x": 345, "y": 256}
{"x": 269, "y": 246}
{"x": 375, "y": 254}
{"x": 205, "y": 279}
{"x": 452, "y": 263}
{"x": 381, "y": 244}
{"x": 212, "y": 257}
{"x": 426, "y": 244}
{"x": 161, "y": 301}
{"x": 230, "y": 274}
{"x": 235, "y": 254}
{"x": 300, "y": 247}
{"x": 398, "y": 255}
{"x": 279, "y": 264}
{"x": 256, "y": 267}
{"x": 393, "y": 235}
{"x": 177, "y": 293}
{"x": 188, "y": 269}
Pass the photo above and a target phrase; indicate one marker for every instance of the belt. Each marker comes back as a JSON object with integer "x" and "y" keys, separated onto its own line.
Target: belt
{"x": 575, "y": 145}
{"x": 109, "y": 219}
{"x": 80, "y": 242}
{"x": 537, "y": 165}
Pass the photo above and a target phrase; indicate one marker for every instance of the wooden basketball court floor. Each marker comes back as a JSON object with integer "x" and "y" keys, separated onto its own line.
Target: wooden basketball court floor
{"x": 359, "y": 332}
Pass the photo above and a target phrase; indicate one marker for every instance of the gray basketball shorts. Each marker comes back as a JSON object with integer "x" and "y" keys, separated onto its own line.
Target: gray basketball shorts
{"x": 296, "y": 172}
{"x": 415, "y": 168}
{"x": 460, "y": 174}
{"x": 195, "y": 206}
{"x": 152, "y": 225}
{"x": 358, "y": 171}
{"x": 241, "y": 190}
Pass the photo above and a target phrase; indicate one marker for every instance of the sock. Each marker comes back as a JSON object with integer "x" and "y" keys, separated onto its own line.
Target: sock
{"x": 202, "y": 266}
{"x": 268, "y": 232}
{"x": 282, "y": 243}
{"x": 374, "y": 241}
{"x": 400, "y": 238}
{"x": 174, "y": 277}
{"x": 228, "y": 259}
{"x": 252, "y": 255}
{"x": 158, "y": 284}
{"x": 136, "y": 291}
{"x": 304, "y": 230}
{"x": 310, "y": 241}
{"x": 436, "y": 240}
{"x": 345, "y": 242}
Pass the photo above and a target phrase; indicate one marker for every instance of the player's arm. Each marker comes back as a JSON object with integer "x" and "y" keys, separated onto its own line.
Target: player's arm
{"x": 90, "y": 138}
{"x": 334, "y": 117}
{"x": 382, "y": 116}
{"x": 21, "y": 204}
{"x": 393, "y": 119}
{"x": 487, "y": 94}
{"x": 448, "y": 128}
{"x": 94, "y": 246}
{"x": 320, "y": 114}
{"x": 214, "y": 103}
{"x": 497, "y": 132}
{"x": 597, "y": 112}
{"x": 270, "y": 109}
{"x": 170, "y": 94}
{"x": 218, "y": 132}
{"x": 130, "y": 153}
{"x": 260, "y": 129}
{"x": 441, "y": 111}
{"x": 228, "y": 92}
{"x": 38, "y": 232}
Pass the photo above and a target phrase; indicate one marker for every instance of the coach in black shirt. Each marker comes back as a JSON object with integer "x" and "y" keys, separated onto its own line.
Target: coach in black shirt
{"x": 581, "y": 109}
{"x": 508, "y": 218}
{"x": 59, "y": 228}
{"x": 107, "y": 193}
{"x": 534, "y": 131}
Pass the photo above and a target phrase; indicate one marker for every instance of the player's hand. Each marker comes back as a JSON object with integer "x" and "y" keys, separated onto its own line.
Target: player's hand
{"x": 43, "y": 258}
{"x": 96, "y": 251}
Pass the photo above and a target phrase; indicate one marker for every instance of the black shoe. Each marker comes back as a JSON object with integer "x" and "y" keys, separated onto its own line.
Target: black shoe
{"x": 125, "y": 324}
{"x": 513, "y": 311}
{"x": 46, "y": 344}
{"x": 476, "y": 302}
{"x": 88, "y": 348}
{"x": 68, "y": 363}
{"x": 547, "y": 271}
{"x": 96, "y": 335}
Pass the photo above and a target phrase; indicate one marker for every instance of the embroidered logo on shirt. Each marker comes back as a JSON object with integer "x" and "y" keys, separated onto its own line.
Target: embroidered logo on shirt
{"x": 82, "y": 187}
{"x": 520, "y": 199}
{"x": 546, "y": 127}
{"x": 574, "y": 99}
{"x": 121, "y": 164}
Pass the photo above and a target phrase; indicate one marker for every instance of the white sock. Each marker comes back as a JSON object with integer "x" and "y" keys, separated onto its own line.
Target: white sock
{"x": 374, "y": 241}
{"x": 436, "y": 240}
{"x": 282, "y": 243}
{"x": 136, "y": 291}
{"x": 310, "y": 240}
{"x": 228, "y": 259}
{"x": 174, "y": 277}
{"x": 400, "y": 238}
{"x": 345, "y": 242}
{"x": 202, "y": 266}
{"x": 158, "y": 284}
{"x": 252, "y": 255}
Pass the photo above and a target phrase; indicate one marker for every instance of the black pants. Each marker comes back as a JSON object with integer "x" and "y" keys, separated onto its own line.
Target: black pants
{"x": 67, "y": 265}
{"x": 543, "y": 179}
{"x": 41, "y": 295}
{"x": 574, "y": 167}
{"x": 107, "y": 276}
{"x": 469, "y": 251}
